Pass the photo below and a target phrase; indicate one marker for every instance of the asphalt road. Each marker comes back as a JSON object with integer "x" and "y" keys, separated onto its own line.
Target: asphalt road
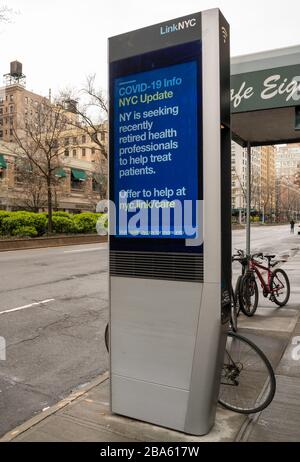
{"x": 56, "y": 346}
{"x": 277, "y": 239}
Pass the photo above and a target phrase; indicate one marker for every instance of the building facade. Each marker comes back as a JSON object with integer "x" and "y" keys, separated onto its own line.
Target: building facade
{"x": 287, "y": 182}
{"x": 81, "y": 179}
{"x": 287, "y": 160}
{"x": 263, "y": 184}
{"x": 78, "y": 187}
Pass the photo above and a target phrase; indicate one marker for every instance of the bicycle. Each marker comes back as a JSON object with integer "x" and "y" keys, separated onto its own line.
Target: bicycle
{"x": 277, "y": 285}
{"x": 246, "y": 300}
{"x": 243, "y": 362}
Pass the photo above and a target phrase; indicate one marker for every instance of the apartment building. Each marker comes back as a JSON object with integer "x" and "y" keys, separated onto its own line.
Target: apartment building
{"x": 82, "y": 173}
{"x": 287, "y": 160}
{"x": 287, "y": 181}
{"x": 263, "y": 194}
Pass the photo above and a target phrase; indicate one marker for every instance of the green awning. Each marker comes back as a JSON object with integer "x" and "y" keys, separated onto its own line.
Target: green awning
{"x": 3, "y": 163}
{"x": 60, "y": 173}
{"x": 79, "y": 174}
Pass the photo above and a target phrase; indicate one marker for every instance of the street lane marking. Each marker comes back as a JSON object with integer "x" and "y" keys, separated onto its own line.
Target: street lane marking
{"x": 84, "y": 250}
{"x": 43, "y": 302}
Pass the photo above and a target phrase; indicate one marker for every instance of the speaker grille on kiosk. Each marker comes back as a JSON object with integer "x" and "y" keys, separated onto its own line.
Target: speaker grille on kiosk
{"x": 146, "y": 265}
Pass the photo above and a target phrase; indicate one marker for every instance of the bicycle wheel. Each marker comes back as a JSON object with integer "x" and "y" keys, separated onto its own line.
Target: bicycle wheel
{"x": 233, "y": 312}
{"x": 248, "y": 382}
{"x": 236, "y": 293}
{"x": 280, "y": 287}
{"x": 248, "y": 295}
{"x": 106, "y": 337}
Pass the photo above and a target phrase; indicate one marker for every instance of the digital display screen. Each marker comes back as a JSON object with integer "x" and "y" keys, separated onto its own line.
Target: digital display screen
{"x": 156, "y": 152}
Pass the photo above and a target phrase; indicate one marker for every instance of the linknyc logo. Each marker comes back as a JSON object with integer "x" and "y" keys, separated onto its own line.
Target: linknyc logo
{"x": 185, "y": 24}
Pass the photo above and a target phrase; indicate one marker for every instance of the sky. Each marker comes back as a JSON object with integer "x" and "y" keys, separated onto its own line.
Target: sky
{"x": 60, "y": 42}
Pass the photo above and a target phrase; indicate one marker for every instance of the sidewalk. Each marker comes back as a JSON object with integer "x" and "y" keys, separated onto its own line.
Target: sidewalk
{"x": 85, "y": 415}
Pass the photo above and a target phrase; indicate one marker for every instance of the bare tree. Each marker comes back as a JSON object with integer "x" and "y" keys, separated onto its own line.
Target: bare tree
{"x": 37, "y": 136}
{"x": 255, "y": 189}
{"x": 34, "y": 191}
{"x": 5, "y": 13}
{"x": 91, "y": 106}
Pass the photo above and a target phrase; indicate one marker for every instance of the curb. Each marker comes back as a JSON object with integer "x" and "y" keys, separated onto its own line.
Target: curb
{"x": 46, "y": 242}
{"x": 11, "y": 435}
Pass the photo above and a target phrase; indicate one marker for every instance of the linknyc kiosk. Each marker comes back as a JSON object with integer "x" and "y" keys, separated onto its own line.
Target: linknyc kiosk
{"x": 170, "y": 220}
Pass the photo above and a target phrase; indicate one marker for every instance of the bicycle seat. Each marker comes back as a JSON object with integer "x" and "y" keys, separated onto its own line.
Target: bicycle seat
{"x": 269, "y": 257}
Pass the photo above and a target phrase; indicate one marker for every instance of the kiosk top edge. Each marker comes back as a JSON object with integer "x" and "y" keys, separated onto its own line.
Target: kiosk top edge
{"x": 178, "y": 19}
{"x": 153, "y": 26}
{"x": 157, "y": 36}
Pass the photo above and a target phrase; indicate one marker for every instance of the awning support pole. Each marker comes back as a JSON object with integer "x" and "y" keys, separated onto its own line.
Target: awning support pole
{"x": 248, "y": 194}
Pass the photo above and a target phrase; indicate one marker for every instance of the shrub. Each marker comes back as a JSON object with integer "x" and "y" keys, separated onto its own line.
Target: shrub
{"x": 63, "y": 225}
{"x": 40, "y": 223}
{"x": 86, "y": 222}
{"x": 25, "y": 231}
{"x": 12, "y": 223}
{"x": 3, "y": 214}
{"x": 19, "y": 219}
{"x": 62, "y": 214}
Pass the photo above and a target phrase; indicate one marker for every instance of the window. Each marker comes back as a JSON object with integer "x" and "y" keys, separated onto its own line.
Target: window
{"x": 67, "y": 141}
{"x": 102, "y": 136}
{"x": 23, "y": 171}
{"x": 66, "y": 153}
{"x": 93, "y": 150}
{"x": 26, "y": 99}
{"x": 83, "y": 139}
{"x": 74, "y": 153}
{"x": 1, "y": 133}
{"x": 74, "y": 139}
{"x": 11, "y": 97}
{"x": 2, "y": 173}
{"x": 78, "y": 178}
{"x": 83, "y": 152}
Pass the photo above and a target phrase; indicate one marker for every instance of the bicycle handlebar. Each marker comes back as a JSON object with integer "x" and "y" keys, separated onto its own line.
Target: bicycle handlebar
{"x": 257, "y": 255}
{"x": 240, "y": 253}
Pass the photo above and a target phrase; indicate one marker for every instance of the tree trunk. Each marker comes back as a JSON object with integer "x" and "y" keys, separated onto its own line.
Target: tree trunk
{"x": 49, "y": 206}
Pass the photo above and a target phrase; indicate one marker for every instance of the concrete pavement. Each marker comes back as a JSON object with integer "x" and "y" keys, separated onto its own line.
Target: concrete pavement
{"x": 86, "y": 417}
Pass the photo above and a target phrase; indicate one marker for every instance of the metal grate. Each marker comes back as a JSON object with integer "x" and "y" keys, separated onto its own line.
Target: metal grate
{"x": 147, "y": 265}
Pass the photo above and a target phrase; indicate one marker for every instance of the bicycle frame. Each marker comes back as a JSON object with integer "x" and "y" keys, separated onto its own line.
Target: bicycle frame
{"x": 266, "y": 286}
